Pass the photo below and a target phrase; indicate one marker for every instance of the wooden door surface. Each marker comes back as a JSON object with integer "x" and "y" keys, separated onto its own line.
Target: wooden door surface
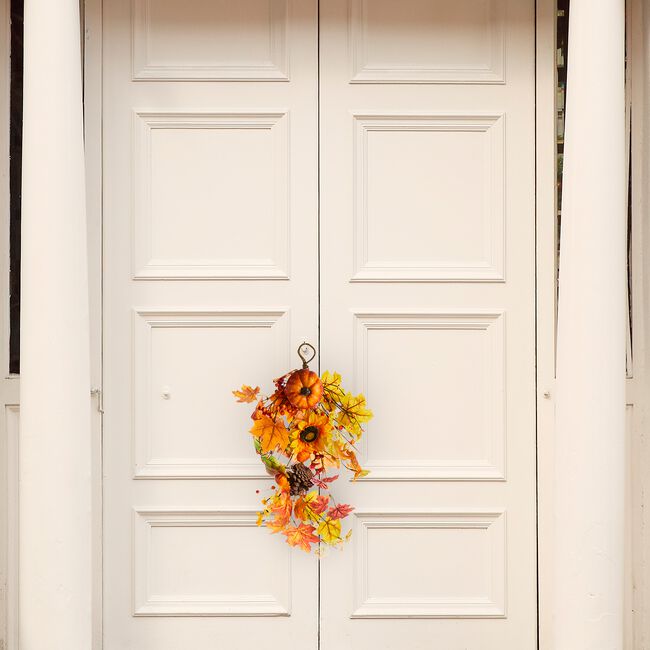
{"x": 210, "y": 277}
{"x": 358, "y": 174}
{"x": 427, "y": 130}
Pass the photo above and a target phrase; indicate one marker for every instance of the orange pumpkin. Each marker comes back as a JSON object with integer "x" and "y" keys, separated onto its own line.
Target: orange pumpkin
{"x": 303, "y": 389}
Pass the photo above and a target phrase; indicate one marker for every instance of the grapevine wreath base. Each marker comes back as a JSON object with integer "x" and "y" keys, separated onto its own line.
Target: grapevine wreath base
{"x": 306, "y": 429}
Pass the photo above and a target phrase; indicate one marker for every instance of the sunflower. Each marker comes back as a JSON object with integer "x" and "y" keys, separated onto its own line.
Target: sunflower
{"x": 309, "y": 435}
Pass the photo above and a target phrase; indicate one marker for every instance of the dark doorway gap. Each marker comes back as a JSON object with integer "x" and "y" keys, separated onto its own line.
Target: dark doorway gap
{"x": 15, "y": 180}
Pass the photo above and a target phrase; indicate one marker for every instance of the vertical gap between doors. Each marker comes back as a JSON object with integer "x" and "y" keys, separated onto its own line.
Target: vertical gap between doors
{"x": 318, "y": 343}
{"x": 537, "y": 584}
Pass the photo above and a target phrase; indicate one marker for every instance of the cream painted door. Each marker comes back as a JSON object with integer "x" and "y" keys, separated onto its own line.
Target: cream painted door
{"x": 211, "y": 279}
{"x": 427, "y": 301}
{"x": 212, "y": 178}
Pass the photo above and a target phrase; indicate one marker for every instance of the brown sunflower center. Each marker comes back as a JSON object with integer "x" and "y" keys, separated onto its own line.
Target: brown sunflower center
{"x": 309, "y": 434}
{"x": 305, "y": 390}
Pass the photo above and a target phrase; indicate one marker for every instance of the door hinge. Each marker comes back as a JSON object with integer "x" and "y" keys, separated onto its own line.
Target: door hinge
{"x": 97, "y": 392}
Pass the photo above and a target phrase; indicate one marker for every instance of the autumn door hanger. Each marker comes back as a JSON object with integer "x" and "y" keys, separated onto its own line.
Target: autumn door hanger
{"x": 306, "y": 428}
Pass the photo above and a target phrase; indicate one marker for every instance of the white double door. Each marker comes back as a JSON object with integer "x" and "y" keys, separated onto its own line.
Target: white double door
{"x": 361, "y": 176}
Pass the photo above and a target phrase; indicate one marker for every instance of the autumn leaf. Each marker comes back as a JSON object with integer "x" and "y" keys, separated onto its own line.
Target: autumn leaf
{"x": 303, "y": 512}
{"x": 246, "y": 394}
{"x": 276, "y": 525}
{"x": 302, "y": 536}
{"x": 330, "y": 531}
{"x": 281, "y": 507}
{"x": 352, "y": 413}
{"x": 272, "y": 434}
{"x": 317, "y": 502}
{"x": 332, "y": 391}
{"x": 340, "y": 511}
{"x": 272, "y": 465}
{"x": 331, "y": 381}
{"x": 323, "y": 461}
{"x": 352, "y": 462}
{"x": 309, "y": 507}
{"x": 322, "y": 482}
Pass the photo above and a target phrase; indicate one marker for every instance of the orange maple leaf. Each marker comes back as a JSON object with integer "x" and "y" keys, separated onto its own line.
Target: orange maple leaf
{"x": 272, "y": 434}
{"x": 302, "y": 535}
{"x": 281, "y": 507}
{"x": 246, "y": 394}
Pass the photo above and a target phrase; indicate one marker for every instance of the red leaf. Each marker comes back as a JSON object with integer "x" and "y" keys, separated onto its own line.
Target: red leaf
{"x": 322, "y": 482}
{"x": 340, "y": 512}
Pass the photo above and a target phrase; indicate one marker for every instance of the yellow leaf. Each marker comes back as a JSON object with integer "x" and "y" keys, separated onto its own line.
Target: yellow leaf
{"x": 352, "y": 413}
{"x": 332, "y": 391}
{"x": 272, "y": 434}
{"x": 246, "y": 394}
{"x": 330, "y": 531}
{"x": 331, "y": 380}
{"x": 352, "y": 463}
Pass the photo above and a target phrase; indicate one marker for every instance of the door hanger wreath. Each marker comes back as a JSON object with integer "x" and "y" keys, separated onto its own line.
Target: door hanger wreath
{"x": 307, "y": 428}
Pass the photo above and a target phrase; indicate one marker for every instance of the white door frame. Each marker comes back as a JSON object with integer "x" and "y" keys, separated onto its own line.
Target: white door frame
{"x": 91, "y": 16}
{"x": 546, "y": 287}
{"x": 9, "y": 384}
{"x": 638, "y": 483}
{"x": 546, "y": 249}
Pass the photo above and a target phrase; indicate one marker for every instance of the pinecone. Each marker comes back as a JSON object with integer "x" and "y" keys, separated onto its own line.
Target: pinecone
{"x": 300, "y": 479}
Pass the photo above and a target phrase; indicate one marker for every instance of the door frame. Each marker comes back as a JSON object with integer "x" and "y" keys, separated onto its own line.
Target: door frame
{"x": 9, "y": 383}
{"x": 546, "y": 304}
{"x": 545, "y": 254}
{"x": 91, "y": 43}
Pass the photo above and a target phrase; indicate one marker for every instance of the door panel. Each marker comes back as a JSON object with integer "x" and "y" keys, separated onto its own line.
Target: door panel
{"x": 211, "y": 280}
{"x": 427, "y": 302}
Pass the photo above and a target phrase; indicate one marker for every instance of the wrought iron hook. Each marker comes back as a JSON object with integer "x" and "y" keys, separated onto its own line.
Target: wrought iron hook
{"x": 303, "y": 350}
